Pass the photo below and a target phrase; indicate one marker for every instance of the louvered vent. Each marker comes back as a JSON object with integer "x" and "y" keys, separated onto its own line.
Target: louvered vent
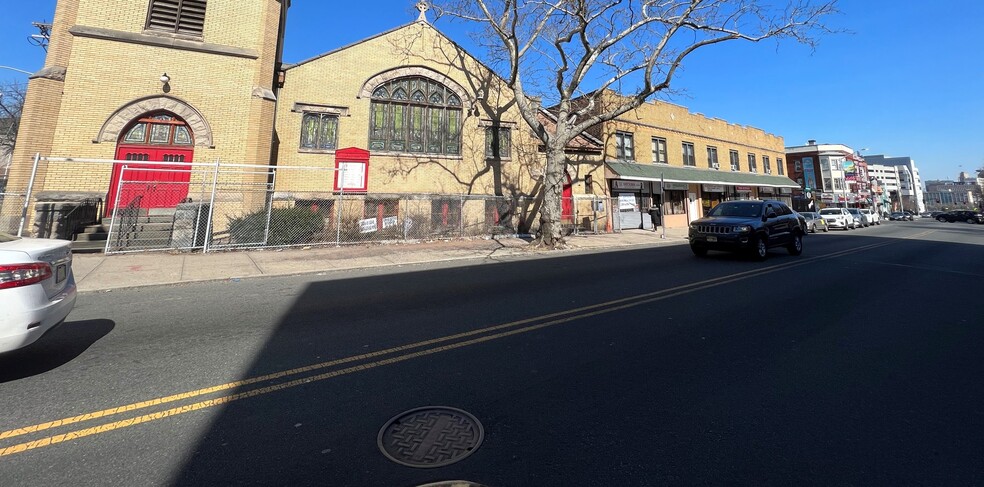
{"x": 178, "y": 16}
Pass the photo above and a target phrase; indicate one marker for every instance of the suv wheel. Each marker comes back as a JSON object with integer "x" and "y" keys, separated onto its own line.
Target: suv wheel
{"x": 941, "y": 219}
{"x": 761, "y": 249}
{"x": 796, "y": 246}
{"x": 698, "y": 250}
{"x": 971, "y": 220}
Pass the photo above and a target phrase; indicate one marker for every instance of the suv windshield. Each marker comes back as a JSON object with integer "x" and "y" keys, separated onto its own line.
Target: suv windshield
{"x": 6, "y": 237}
{"x": 748, "y": 210}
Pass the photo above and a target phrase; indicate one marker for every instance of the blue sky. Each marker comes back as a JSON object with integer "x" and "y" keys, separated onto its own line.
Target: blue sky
{"x": 909, "y": 80}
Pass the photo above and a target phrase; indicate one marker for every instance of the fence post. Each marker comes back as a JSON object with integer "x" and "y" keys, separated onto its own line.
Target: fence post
{"x": 461, "y": 216}
{"x": 340, "y": 200}
{"x": 406, "y": 215}
{"x": 27, "y": 197}
{"x": 211, "y": 209}
{"x": 116, "y": 207}
{"x": 273, "y": 186}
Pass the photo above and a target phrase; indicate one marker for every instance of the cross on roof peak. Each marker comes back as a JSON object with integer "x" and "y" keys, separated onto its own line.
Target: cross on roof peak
{"x": 423, "y": 7}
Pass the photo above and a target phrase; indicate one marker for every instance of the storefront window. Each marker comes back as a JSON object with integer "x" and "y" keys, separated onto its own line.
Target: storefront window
{"x": 676, "y": 203}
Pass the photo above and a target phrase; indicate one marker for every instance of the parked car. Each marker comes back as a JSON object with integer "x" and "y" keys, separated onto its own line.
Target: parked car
{"x": 37, "y": 288}
{"x": 873, "y": 217}
{"x": 814, "y": 222}
{"x": 859, "y": 217}
{"x": 838, "y": 218}
{"x": 900, "y": 216}
{"x": 748, "y": 225}
{"x": 909, "y": 215}
{"x": 961, "y": 216}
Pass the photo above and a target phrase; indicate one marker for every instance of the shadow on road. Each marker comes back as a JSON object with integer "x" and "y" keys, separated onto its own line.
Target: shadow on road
{"x": 58, "y": 347}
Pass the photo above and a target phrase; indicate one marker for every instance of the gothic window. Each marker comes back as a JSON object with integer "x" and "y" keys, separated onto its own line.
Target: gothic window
{"x": 426, "y": 121}
{"x": 177, "y": 16}
{"x": 160, "y": 129}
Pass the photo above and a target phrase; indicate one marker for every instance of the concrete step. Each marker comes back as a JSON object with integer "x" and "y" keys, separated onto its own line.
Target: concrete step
{"x": 88, "y": 247}
{"x": 101, "y": 228}
{"x": 91, "y": 237}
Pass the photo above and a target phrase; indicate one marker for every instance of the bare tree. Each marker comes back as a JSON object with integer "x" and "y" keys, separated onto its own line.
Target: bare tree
{"x": 11, "y": 103}
{"x": 571, "y": 53}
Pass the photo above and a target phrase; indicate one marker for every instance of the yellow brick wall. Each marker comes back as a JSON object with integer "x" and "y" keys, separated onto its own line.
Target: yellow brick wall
{"x": 230, "y": 23}
{"x": 677, "y": 125}
{"x": 336, "y": 79}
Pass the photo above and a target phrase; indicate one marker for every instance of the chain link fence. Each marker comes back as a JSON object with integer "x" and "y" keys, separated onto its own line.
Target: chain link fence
{"x": 211, "y": 207}
{"x": 10, "y": 217}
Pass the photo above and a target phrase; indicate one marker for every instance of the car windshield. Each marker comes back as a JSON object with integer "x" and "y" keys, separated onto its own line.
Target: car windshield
{"x": 737, "y": 209}
{"x": 854, "y": 212}
{"x": 808, "y": 216}
{"x": 6, "y": 237}
{"x": 830, "y": 211}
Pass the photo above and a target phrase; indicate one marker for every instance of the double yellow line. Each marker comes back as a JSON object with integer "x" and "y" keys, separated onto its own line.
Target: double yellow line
{"x": 404, "y": 353}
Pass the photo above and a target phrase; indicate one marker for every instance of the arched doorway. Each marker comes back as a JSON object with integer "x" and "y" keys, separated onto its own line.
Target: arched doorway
{"x": 155, "y": 137}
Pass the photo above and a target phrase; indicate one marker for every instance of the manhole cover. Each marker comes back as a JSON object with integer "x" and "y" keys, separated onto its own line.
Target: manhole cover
{"x": 430, "y": 437}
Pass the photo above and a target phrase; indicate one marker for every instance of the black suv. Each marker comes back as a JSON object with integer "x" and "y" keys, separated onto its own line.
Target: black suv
{"x": 748, "y": 225}
{"x": 961, "y": 216}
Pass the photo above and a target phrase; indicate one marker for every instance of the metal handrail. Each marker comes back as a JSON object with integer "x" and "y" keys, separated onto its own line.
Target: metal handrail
{"x": 129, "y": 218}
{"x": 92, "y": 214}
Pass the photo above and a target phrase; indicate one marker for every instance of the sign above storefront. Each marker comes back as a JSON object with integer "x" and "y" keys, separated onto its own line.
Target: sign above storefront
{"x": 765, "y": 189}
{"x": 676, "y": 186}
{"x": 714, "y": 188}
{"x": 743, "y": 189}
{"x": 623, "y": 184}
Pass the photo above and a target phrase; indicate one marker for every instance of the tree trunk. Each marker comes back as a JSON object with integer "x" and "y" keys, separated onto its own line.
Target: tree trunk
{"x": 551, "y": 231}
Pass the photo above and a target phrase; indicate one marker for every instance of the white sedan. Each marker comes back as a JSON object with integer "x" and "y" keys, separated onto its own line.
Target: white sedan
{"x": 838, "y": 218}
{"x": 37, "y": 288}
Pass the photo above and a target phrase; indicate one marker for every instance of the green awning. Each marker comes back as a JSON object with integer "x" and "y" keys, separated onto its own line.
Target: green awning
{"x": 693, "y": 175}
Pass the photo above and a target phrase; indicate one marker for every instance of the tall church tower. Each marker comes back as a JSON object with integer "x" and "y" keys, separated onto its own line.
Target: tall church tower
{"x": 150, "y": 80}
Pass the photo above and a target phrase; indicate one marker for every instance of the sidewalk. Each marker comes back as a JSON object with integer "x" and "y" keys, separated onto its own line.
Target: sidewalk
{"x": 98, "y": 272}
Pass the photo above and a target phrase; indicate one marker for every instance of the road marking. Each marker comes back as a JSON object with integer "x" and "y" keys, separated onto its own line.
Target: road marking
{"x": 554, "y": 319}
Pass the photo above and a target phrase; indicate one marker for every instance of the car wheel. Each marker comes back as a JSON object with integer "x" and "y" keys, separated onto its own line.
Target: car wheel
{"x": 698, "y": 250}
{"x": 971, "y": 220}
{"x": 826, "y": 229}
{"x": 941, "y": 219}
{"x": 812, "y": 229}
{"x": 796, "y": 246}
{"x": 761, "y": 249}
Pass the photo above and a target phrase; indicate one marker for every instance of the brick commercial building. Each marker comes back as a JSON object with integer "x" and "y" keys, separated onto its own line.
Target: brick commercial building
{"x": 662, "y": 156}
{"x": 405, "y": 127}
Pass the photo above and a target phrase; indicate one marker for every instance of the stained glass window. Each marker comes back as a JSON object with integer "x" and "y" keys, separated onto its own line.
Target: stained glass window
{"x": 159, "y": 129}
{"x": 428, "y": 120}
{"x": 498, "y": 142}
{"x": 319, "y": 131}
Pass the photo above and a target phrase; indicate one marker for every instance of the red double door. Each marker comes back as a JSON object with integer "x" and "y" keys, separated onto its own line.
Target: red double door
{"x": 149, "y": 177}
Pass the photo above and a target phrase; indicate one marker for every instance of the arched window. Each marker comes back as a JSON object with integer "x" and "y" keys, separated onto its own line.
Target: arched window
{"x": 159, "y": 129}
{"x": 415, "y": 114}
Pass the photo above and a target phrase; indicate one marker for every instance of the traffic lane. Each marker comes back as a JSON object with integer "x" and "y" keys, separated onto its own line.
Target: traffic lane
{"x": 168, "y": 340}
{"x": 176, "y": 348}
{"x": 259, "y": 414}
{"x": 654, "y": 393}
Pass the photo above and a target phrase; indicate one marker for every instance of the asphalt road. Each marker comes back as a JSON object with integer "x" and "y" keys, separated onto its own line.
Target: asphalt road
{"x": 859, "y": 362}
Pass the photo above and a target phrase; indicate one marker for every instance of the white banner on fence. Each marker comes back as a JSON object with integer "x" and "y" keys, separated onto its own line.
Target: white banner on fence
{"x": 390, "y": 221}
{"x": 368, "y": 225}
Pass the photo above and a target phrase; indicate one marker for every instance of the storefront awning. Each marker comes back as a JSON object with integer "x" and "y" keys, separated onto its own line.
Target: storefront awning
{"x": 693, "y": 175}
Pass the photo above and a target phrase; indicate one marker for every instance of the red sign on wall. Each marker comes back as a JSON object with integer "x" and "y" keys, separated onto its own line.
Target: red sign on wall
{"x": 352, "y": 170}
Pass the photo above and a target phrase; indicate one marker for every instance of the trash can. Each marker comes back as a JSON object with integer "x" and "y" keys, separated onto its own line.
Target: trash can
{"x": 654, "y": 216}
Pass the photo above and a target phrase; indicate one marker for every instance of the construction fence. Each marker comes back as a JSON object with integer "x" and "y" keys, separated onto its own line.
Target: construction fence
{"x": 219, "y": 206}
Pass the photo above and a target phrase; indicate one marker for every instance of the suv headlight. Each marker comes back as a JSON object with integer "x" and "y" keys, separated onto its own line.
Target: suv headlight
{"x": 743, "y": 229}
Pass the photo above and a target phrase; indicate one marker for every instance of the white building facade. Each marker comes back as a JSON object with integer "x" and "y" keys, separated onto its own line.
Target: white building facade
{"x": 900, "y": 175}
